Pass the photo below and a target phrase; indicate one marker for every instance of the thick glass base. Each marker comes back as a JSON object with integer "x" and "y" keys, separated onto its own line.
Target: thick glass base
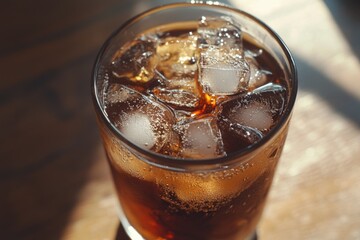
{"x": 127, "y": 232}
{"x": 122, "y": 235}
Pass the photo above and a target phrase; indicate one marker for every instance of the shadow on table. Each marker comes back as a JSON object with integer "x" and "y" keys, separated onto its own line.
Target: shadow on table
{"x": 341, "y": 101}
{"x": 346, "y": 13}
{"x": 49, "y": 134}
{"x": 121, "y": 234}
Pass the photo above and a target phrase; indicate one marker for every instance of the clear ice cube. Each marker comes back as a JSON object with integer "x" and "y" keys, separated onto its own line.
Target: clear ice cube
{"x": 219, "y": 31}
{"x": 254, "y": 114}
{"x": 142, "y": 121}
{"x": 259, "y": 109}
{"x": 138, "y": 129}
{"x": 257, "y": 76}
{"x": 223, "y": 69}
{"x": 237, "y": 136}
{"x": 178, "y": 56}
{"x": 178, "y": 66}
{"x": 223, "y": 72}
{"x": 180, "y": 93}
{"x": 271, "y": 87}
{"x": 177, "y": 97}
{"x": 200, "y": 138}
{"x": 136, "y": 62}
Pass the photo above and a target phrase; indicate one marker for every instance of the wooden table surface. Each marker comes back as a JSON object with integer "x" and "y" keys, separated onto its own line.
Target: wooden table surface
{"x": 54, "y": 179}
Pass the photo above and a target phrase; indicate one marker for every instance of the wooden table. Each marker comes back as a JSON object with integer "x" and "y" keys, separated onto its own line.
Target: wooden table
{"x": 54, "y": 179}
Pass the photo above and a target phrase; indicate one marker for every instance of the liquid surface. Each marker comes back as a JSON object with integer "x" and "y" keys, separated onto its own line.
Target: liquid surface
{"x": 194, "y": 92}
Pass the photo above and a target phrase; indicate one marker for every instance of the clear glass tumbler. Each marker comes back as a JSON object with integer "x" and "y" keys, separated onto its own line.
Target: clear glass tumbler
{"x": 162, "y": 197}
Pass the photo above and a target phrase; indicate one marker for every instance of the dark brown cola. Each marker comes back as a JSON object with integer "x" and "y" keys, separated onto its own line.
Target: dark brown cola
{"x": 194, "y": 91}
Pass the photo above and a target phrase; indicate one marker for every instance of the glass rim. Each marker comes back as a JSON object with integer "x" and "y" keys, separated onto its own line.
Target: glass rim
{"x": 165, "y": 160}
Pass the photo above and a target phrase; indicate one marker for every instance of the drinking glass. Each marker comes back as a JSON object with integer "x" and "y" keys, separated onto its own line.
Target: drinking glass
{"x": 162, "y": 197}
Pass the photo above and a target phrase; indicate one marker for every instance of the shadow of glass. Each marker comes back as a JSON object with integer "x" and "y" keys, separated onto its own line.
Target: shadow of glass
{"x": 346, "y": 13}
{"x": 121, "y": 234}
{"x": 50, "y": 132}
{"x": 45, "y": 167}
{"x": 341, "y": 101}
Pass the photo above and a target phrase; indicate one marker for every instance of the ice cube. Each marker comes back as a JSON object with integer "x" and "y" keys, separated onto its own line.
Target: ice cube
{"x": 219, "y": 31}
{"x": 177, "y": 97}
{"x": 142, "y": 121}
{"x": 178, "y": 56}
{"x": 223, "y": 72}
{"x": 137, "y": 129}
{"x": 236, "y": 136}
{"x": 223, "y": 69}
{"x": 271, "y": 87}
{"x": 200, "y": 138}
{"x": 178, "y": 66}
{"x": 116, "y": 94}
{"x": 136, "y": 61}
{"x": 254, "y": 53}
{"x": 180, "y": 93}
{"x": 259, "y": 109}
{"x": 255, "y": 115}
{"x": 257, "y": 76}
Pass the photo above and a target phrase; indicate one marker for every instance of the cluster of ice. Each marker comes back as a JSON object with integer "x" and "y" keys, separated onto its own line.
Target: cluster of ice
{"x": 210, "y": 62}
{"x": 181, "y": 73}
